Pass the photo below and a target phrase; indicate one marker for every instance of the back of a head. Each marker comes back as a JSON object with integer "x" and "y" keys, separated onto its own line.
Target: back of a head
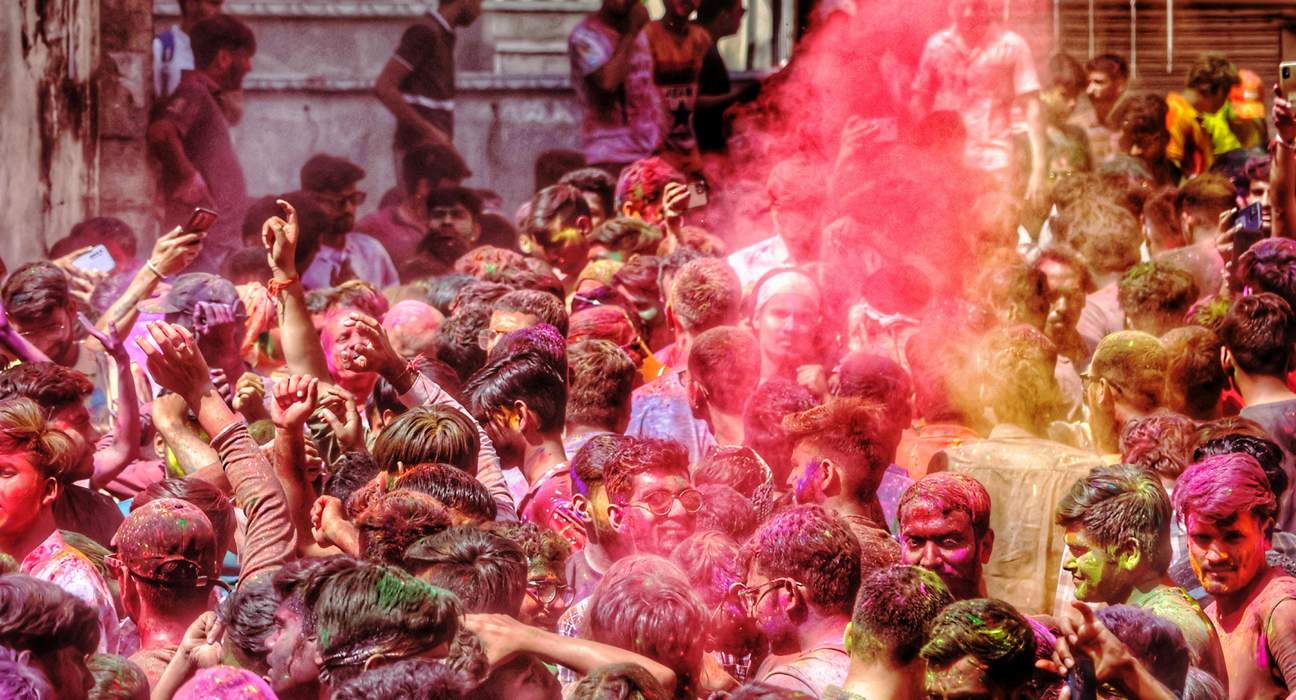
{"x": 705, "y": 293}
{"x": 894, "y": 608}
{"x": 556, "y": 202}
{"x": 1155, "y": 296}
{"x": 619, "y": 682}
{"x": 1105, "y": 234}
{"x": 394, "y": 521}
{"x": 407, "y": 678}
{"x": 1195, "y": 380}
{"x": 1141, "y": 114}
{"x": 39, "y": 617}
{"x": 651, "y": 614}
{"x": 1258, "y": 332}
{"x": 487, "y": 572}
{"x": 22, "y": 679}
{"x": 1155, "y": 641}
{"x": 1265, "y": 451}
{"x": 451, "y": 486}
{"x": 725, "y": 361}
{"x": 221, "y": 32}
{"x": 1019, "y": 364}
{"x": 1119, "y": 503}
{"x": 1270, "y": 266}
{"x": 371, "y": 610}
{"x": 428, "y": 434}
{"x": 209, "y": 499}
{"x": 1112, "y": 65}
{"x": 600, "y": 379}
{"x": 813, "y": 547}
{"x": 545, "y": 307}
{"x": 1212, "y": 73}
{"x": 990, "y": 631}
{"x": 1161, "y": 444}
{"x": 1201, "y": 685}
{"x": 116, "y": 678}
{"x": 709, "y": 558}
{"x": 857, "y": 433}
{"x": 325, "y": 173}
{"x": 1205, "y": 197}
{"x": 542, "y": 340}
{"x": 594, "y": 181}
{"x": 1135, "y": 364}
{"x": 763, "y": 431}
{"x": 223, "y": 683}
{"x": 878, "y": 379}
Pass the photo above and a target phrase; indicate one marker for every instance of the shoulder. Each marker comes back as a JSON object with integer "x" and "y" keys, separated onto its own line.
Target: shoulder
{"x": 421, "y": 31}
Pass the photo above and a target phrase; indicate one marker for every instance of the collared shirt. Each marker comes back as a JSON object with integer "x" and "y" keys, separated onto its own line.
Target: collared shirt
{"x": 361, "y": 257}
{"x": 58, "y": 563}
{"x": 623, "y": 125}
{"x": 427, "y": 50}
{"x": 980, "y": 83}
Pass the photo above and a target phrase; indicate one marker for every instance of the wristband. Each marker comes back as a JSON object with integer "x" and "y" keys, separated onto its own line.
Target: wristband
{"x": 276, "y": 287}
{"x": 153, "y": 268}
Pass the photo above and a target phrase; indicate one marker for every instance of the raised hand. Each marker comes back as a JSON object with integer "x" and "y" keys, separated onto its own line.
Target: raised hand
{"x": 202, "y": 641}
{"x": 174, "y": 362}
{"x": 249, "y": 396}
{"x": 175, "y": 251}
{"x": 295, "y": 399}
{"x": 343, "y": 418}
{"x": 374, "y": 353}
{"x": 675, "y": 198}
{"x": 110, "y": 341}
{"x": 279, "y": 236}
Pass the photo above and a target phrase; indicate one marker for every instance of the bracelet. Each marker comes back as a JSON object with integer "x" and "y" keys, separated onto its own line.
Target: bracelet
{"x": 153, "y": 268}
{"x": 276, "y": 287}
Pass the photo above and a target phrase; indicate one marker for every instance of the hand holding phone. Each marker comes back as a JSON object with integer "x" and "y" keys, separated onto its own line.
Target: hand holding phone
{"x": 201, "y": 220}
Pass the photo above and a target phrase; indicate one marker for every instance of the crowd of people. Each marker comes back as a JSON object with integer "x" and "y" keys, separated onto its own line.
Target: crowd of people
{"x": 998, "y": 405}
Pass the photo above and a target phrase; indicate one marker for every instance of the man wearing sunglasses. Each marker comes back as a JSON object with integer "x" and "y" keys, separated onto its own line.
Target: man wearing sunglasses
{"x": 343, "y": 254}
{"x": 651, "y": 501}
{"x": 802, "y": 572}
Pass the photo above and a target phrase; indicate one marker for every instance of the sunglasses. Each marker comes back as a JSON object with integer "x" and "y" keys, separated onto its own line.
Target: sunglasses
{"x": 546, "y": 592}
{"x": 661, "y": 502}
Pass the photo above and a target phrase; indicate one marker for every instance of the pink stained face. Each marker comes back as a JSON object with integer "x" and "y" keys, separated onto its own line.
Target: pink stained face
{"x": 290, "y": 651}
{"x": 786, "y": 326}
{"x": 23, "y": 491}
{"x": 652, "y": 533}
{"x": 339, "y": 339}
{"x": 945, "y": 544}
{"x": 1227, "y": 555}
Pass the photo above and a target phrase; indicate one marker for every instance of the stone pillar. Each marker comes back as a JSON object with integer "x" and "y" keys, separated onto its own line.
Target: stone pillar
{"x": 53, "y": 82}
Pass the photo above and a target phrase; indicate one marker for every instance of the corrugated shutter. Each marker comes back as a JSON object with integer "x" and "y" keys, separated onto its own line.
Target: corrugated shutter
{"x": 1249, "y": 33}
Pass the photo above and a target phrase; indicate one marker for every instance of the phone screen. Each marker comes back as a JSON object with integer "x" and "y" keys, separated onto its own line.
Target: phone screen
{"x": 97, "y": 259}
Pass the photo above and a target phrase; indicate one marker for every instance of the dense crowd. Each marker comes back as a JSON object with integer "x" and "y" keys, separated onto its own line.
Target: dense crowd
{"x": 996, "y": 401}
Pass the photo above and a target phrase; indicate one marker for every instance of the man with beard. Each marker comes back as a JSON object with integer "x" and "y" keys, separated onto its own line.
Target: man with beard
{"x": 293, "y": 647}
{"x": 589, "y": 507}
{"x": 191, "y": 136}
{"x": 1228, "y": 511}
{"x": 343, "y": 254}
{"x": 454, "y": 224}
{"x": 802, "y": 572}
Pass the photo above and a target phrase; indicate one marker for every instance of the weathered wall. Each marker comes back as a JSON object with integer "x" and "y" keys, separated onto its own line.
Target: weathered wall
{"x": 71, "y": 118}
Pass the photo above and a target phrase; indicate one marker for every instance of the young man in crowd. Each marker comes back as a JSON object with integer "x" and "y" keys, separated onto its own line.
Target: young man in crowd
{"x": 612, "y": 72}
{"x": 402, "y": 226}
{"x": 651, "y": 502}
{"x": 723, "y": 370}
{"x": 886, "y": 632}
{"x": 945, "y": 528}
{"x": 1126, "y": 381}
{"x": 172, "y": 49}
{"x": 678, "y": 48}
{"x": 454, "y": 224}
{"x": 191, "y": 138}
{"x": 802, "y": 573}
{"x": 979, "y": 648}
{"x": 417, "y": 85}
{"x": 343, "y": 254}
{"x": 600, "y": 377}
{"x": 1228, "y": 510}
{"x": 1117, "y": 522}
{"x": 1107, "y": 77}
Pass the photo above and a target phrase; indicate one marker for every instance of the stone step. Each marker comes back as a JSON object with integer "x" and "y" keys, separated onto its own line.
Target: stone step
{"x": 520, "y": 56}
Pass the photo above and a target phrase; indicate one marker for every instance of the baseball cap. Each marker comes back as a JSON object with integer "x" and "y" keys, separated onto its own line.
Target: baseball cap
{"x": 193, "y": 288}
{"x": 169, "y": 542}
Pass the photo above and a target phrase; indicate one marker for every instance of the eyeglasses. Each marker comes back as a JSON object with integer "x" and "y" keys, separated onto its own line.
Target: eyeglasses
{"x": 546, "y": 592}
{"x": 661, "y": 502}
{"x": 751, "y": 597}
{"x": 337, "y": 200}
{"x": 44, "y": 331}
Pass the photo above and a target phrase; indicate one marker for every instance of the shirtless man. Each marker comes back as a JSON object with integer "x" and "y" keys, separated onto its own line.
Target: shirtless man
{"x": 1228, "y": 511}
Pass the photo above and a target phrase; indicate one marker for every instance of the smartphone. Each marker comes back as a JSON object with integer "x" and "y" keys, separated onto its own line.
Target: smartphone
{"x": 201, "y": 220}
{"x": 1249, "y": 230}
{"x": 697, "y": 194}
{"x": 1287, "y": 78}
{"x": 97, "y": 259}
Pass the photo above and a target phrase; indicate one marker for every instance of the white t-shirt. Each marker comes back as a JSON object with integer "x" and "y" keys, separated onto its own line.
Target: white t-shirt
{"x": 167, "y": 68}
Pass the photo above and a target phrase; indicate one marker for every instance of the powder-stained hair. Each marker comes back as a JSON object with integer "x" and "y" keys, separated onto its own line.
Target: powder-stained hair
{"x": 1134, "y": 363}
{"x": 894, "y": 608}
{"x": 763, "y": 421}
{"x": 726, "y": 362}
{"x": 624, "y": 681}
{"x": 1265, "y": 451}
{"x": 116, "y": 678}
{"x": 1155, "y": 641}
{"x": 23, "y": 428}
{"x": 394, "y": 521}
{"x": 600, "y": 379}
{"x": 1019, "y": 366}
{"x": 525, "y": 376}
{"x": 544, "y": 306}
{"x": 428, "y": 434}
{"x": 988, "y": 630}
{"x": 452, "y": 487}
{"x": 1161, "y": 443}
{"x": 486, "y": 571}
{"x": 651, "y": 614}
{"x": 642, "y": 456}
{"x": 407, "y": 678}
{"x": 813, "y": 547}
{"x": 22, "y": 679}
{"x": 1270, "y": 266}
{"x": 1258, "y": 331}
{"x": 1194, "y": 369}
{"x": 705, "y": 293}
{"x": 589, "y": 464}
{"x": 948, "y": 492}
{"x": 51, "y": 385}
{"x": 1118, "y": 503}
{"x": 34, "y": 291}
{"x": 40, "y": 617}
{"x": 1220, "y": 488}
{"x": 248, "y": 617}
{"x": 1156, "y": 289}
{"x": 855, "y": 430}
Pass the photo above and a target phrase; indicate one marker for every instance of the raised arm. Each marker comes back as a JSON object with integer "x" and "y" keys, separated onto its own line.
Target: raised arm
{"x": 301, "y": 343}
{"x": 110, "y": 462}
{"x": 174, "y": 362}
{"x": 294, "y": 399}
{"x": 172, "y": 253}
{"x": 1282, "y": 177}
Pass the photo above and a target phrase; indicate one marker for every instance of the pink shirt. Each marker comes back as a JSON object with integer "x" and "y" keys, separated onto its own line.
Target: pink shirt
{"x": 980, "y": 83}
{"x": 56, "y": 562}
{"x": 623, "y": 125}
